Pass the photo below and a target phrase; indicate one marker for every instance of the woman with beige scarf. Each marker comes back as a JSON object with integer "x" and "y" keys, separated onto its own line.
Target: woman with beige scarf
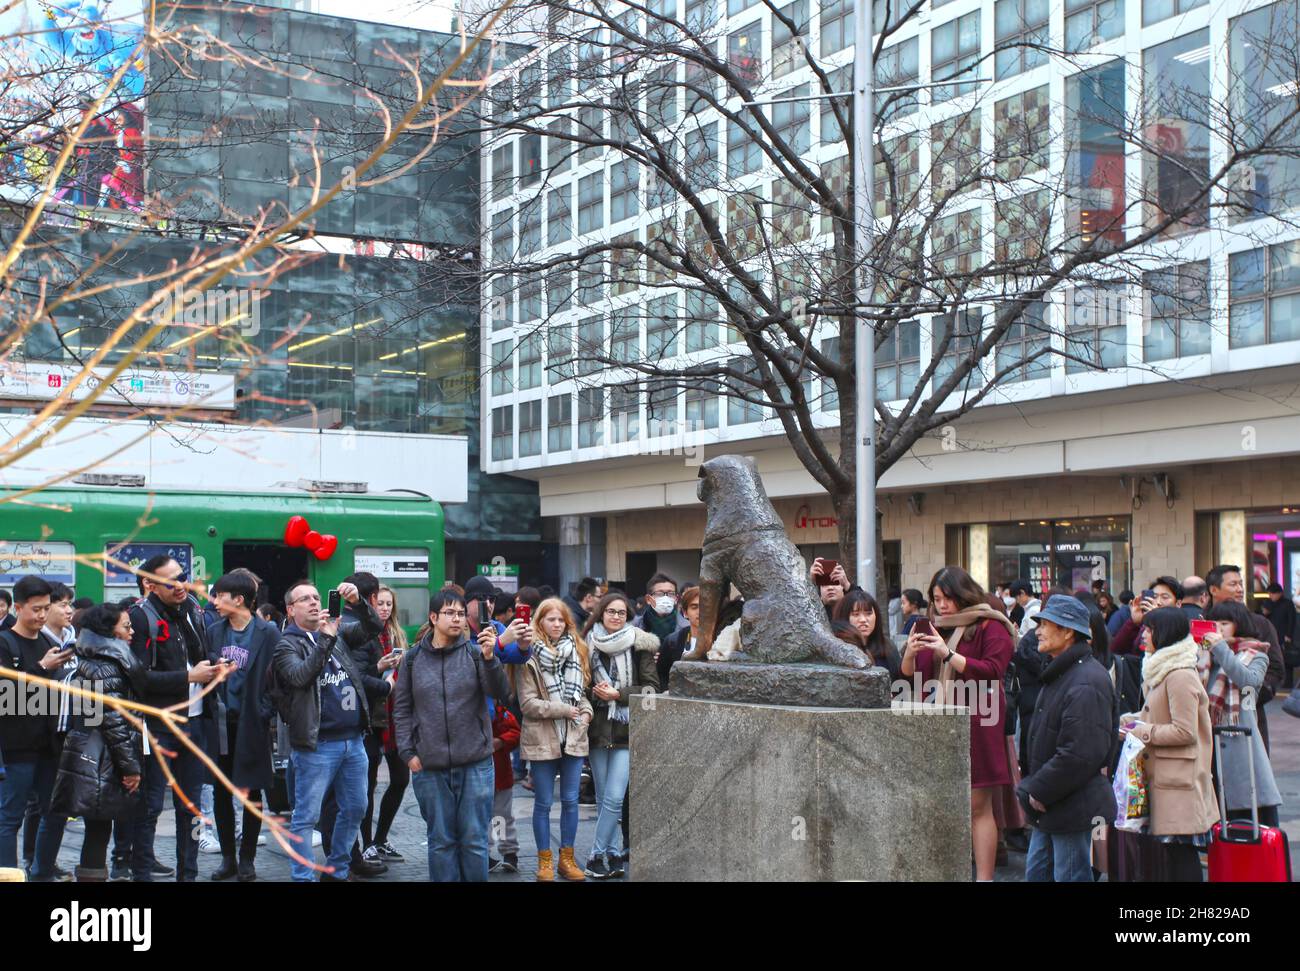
{"x": 966, "y": 659}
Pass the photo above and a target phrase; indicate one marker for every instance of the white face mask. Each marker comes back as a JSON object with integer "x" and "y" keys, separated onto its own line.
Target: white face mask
{"x": 663, "y": 606}
{"x": 1009, "y": 601}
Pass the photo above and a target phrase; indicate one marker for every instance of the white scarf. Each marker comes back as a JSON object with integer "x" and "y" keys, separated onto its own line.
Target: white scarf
{"x": 615, "y": 648}
{"x": 1158, "y": 665}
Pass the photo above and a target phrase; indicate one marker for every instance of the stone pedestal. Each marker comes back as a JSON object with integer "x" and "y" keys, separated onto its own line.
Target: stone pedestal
{"x": 727, "y": 791}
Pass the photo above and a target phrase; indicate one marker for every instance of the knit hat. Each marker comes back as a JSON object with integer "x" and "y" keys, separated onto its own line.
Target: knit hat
{"x": 478, "y": 588}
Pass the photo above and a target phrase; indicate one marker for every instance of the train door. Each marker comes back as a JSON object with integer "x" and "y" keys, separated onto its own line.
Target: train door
{"x": 278, "y": 566}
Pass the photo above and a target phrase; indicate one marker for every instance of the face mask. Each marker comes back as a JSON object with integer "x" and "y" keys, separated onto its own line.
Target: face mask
{"x": 1009, "y": 601}
{"x": 663, "y": 606}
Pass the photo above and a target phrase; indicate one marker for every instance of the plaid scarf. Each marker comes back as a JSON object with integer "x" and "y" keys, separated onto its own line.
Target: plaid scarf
{"x": 1225, "y": 697}
{"x": 562, "y": 676}
{"x": 616, "y": 647}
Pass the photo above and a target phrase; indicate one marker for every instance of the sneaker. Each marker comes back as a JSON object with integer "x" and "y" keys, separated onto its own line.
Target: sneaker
{"x": 208, "y": 843}
{"x": 368, "y": 868}
{"x": 494, "y": 865}
{"x": 510, "y": 863}
{"x": 120, "y": 872}
{"x": 614, "y": 862}
{"x": 162, "y": 870}
{"x": 372, "y": 855}
{"x": 597, "y": 868}
{"x": 330, "y": 878}
{"x": 261, "y": 839}
{"x": 387, "y": 852}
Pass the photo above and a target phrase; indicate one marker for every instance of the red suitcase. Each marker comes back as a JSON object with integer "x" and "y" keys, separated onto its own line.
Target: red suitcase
{"x": 1242, "y": 852}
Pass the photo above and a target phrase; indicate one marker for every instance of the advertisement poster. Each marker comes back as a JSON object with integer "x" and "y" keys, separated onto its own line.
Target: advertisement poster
{"x": 1075, "y": 569}
{"x": 57, "y": 57}
{"x": 50, "y": 561}
{"x": 135, "y": 554}
{"x": 135, "y": 386}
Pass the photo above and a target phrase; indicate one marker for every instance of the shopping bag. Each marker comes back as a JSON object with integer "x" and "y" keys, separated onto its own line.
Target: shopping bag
{"x": 1131, "y": 796}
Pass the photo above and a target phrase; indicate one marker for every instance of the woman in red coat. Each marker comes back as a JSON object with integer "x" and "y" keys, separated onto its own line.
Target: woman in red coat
{"x": 967, "y": 657}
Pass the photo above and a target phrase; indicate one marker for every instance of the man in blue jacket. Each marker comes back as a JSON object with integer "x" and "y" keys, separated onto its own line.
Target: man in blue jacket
{"x": 244, "y": 642}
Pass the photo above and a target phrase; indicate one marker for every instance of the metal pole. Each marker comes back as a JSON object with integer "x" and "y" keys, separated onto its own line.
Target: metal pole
{"x": 865, "y": 356}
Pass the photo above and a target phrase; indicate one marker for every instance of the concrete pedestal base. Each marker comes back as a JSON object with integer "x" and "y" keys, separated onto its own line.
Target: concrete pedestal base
{"x": 725, "y": 791}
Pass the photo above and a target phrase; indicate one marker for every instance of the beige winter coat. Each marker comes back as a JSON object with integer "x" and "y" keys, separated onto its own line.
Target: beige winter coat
{"x": 1177, "y": 734}
{"x": 538, "y": 741}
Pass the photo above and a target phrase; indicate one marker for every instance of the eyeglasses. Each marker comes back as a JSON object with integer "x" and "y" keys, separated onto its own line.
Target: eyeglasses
{"x": 453, "y": 614}
{"x": 616, "y": 613}
{"x": 308, "y": 596}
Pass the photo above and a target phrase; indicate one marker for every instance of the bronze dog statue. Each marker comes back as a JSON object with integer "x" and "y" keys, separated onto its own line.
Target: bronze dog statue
{"x": 745, "y": 544}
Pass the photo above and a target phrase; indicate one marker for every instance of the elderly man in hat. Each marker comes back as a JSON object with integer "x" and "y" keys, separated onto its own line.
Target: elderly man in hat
{"x": 1072, "y": 733}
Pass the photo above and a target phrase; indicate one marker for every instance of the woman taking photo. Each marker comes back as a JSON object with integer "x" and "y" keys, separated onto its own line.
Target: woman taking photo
{"x": 860, "y": 609}
{"x": 391, "y": 641}
{"x": 682, "y": 640}
{"x": 99, "y": 770}
{"x": 971, "y": 647}
{"x": 1174, "y": 724}
{"x": 1232, "y": 667}
{"x": 553, "y": 697}
{"x": 622, "y": 664}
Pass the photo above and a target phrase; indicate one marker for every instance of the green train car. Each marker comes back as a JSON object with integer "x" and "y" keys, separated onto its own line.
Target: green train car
{"x": 397, "y": 536}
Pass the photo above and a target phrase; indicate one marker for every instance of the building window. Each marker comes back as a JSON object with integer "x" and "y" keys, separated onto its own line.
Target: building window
{"x": 1264, "y": 295}
{"x": 961, "y": 332}
{"x": 1026, "y": 337}
{"x": 1095, "y": 145}
{"x": 661, "y": 97}
{"x": 744, "y": 154}
{"x": 502, "y": 367}
{"x": 503, "y": 236}
{"x": 898, "y": 362}
{"x": 660, "y": 408}
{"x": 559, "y": 149}
{"x": 701, "y": 409}
{"x": 830, "y": 394}
{"x": 559, "y": 87}
{"x": 1154, "y": 11}
{"x": 530, "y": 159}
{"x": 559, "y": 423}
{"x": 744, "y": 224}
{"x": 661, "y": 242}
{"x": 1262, "y": 91}
{"x": 837, "y": 25}
{"x": 530, "y": 362}
{"x": 1069, "y": 553}
{"x": 1096, "y": 332}
{"x": 745, "y": 51}
{"x": 741, "y": 411}
{"x": 1020, "y": 28}
{"x": 898, "y": 175}
{"x": 839, "y": 80}
{"x": 590, "y": 51}
{"x": 624, "y": 264}
{"x": 559, "y": 292}
{"x": 559, "y": 215}
{"x": 835, "y": 173}
{"x": 502, "y": 301}
{"x": 591, "y": 279}
{"x": 791, "y": 217}
{"x": 700, "y": 166}
{"x": 530, "y": 428}
{"x": 625, "y": 336}
{"x": 899, "y": 66}
{"x": 1021, "y": 133}
{"x": 955, "y": 155}
{"x": 591, "y": 344}
{"x": 790, "y": 119}
{"x": 1021, "y": 228}
{"x": 955, "y": 53}
{"x": 559, "y": 353}
{"x": 701, "y": 15}
{"x": 738, "y": 6}
{"x": 624, "y": 414}
{"x": 956, "y": 243}
{"x": 623, "y": 202}
{"x": 1177, "y": 311}
{"x": 1089, "y": 22}
{"x": 591, "y": 125}
{"x": 591, "y": 202}
{"x": 661, "y": 328}
{"x": 530, "y": 298}
{"x": 788, "y": 47}
{"x": 701, "y": 321}
{"x": 503, "y": 171}
{"x": 1176, "y": 98}
{"x": 530, "y": 227}
{"x": 503, "y": 429}
{"x": 701, "y": 83}
{"x": 591, "y": 414}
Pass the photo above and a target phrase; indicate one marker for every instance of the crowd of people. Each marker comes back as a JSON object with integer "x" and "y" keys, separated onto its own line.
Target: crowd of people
{"x": 537, "y": 688}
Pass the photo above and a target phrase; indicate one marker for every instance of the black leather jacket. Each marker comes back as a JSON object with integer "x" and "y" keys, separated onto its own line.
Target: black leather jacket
{"x": 298, "y": 663}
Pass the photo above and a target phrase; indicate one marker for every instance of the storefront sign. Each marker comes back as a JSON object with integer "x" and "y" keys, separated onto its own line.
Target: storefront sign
{"x": 394, "y": 564}
{"x": 503, "y": 575}
{"x": 803, "y": 520}
{"x": 52, "y": 562}
{"x": 34, "y": 380}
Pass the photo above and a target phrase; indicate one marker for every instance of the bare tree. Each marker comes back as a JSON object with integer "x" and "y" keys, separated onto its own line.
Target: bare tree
{"x": 1013, "y": 255}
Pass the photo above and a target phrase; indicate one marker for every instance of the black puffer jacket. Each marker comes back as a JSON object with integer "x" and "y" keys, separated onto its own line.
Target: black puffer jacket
{"x": 1070, "y": 738}
{"x": 102, "y": 746}
{"x": 367, "y": 655}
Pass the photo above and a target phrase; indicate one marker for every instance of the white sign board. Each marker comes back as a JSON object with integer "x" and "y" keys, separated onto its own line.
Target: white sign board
{"x": 50, "y": 561}
{"x": 43, "y": 381}
{"x": 393, "y": 564}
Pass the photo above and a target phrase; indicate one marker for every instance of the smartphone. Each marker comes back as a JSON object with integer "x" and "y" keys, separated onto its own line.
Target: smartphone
{"x": 1148, "y": 594}
{"x": 335, "y": 604}
{"x": 484, "y": 614}
{"x": 1202, "y": 627}
{"x": 923, "y": 626}
{"x": 828, "y": 568}
{"x": 524, "y": 612}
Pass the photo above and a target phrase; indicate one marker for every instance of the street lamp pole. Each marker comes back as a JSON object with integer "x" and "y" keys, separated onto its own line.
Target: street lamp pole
{"x": 865, "y": 332}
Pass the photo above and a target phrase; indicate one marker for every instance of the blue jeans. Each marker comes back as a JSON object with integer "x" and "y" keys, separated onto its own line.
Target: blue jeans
{"x": 569, "y": 768}
{"x": 457, "y": 807}
{"x": 340, "y": 765}
{"x": 23, "y": 779}
{"x": 609, "y": 770}
{"x": 1059, "y": 857}
{"x": 190, "y": 776}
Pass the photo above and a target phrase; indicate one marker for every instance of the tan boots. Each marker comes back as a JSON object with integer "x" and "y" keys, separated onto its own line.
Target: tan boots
{"x": 569, "y": 868}
{"x": 545, "y": 866}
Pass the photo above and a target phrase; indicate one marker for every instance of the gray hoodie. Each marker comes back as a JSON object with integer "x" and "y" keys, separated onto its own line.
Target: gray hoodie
{"x": 440, "y": 704}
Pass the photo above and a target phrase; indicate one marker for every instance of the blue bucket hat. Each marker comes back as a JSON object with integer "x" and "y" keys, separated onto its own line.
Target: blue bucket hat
{"x": 1065, "y": 611}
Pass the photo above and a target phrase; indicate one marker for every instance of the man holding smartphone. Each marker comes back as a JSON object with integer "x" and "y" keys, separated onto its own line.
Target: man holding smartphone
{"x": 321, "y": 694}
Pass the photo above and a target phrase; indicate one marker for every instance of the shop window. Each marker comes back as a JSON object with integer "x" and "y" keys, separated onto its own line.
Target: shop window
{"x": 1177, "y": 311}
{"x": 1069, "y": 553}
